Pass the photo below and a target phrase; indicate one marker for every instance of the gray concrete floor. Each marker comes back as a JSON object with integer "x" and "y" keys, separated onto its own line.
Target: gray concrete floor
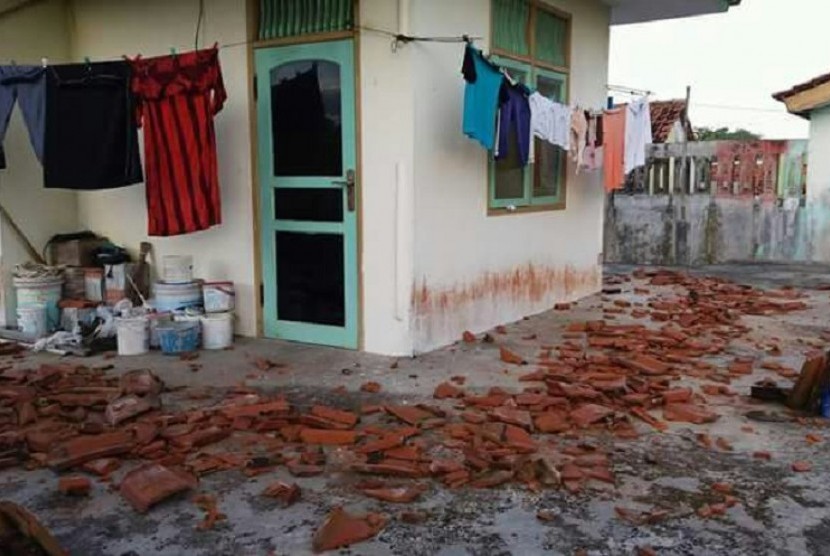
{"x": 780, "y": 512}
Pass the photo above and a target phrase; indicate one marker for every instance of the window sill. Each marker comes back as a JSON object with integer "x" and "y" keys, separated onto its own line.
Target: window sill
{"x": 526, "y": 209}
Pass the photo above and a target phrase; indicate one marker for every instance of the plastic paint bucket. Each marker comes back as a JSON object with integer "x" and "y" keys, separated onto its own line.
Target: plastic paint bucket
{"x": 46, "y": 291}
{"x": 94, "y": 284}
{"x": 217, "y": 330}
{"x": 32, "y": 321}
{"x": 219, "y": 296}
{"x": 179, "y": 336}
{"x": 177, "y": 297}
{"x": 177, "y": 269}
{"x": 133, "y": 335}
{"x": 155, "y": 320}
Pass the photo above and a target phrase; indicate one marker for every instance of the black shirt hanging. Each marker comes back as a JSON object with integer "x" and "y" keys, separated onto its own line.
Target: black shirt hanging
{"x": 91, "y": 135}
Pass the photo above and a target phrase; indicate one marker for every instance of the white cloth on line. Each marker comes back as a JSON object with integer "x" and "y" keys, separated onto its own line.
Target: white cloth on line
{"x": 549, "y": 121}
{"x": 637, "y": 133}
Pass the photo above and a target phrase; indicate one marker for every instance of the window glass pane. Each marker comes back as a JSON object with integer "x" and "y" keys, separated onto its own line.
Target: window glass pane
{"x": 510, "y": 23}
{"x": 306, "y": 119}
{"x": 509, "y": 173}
{"x": 551, "y": 38}
{"x": 310, "y": 285}
{"x": 551, "y": 87}
{"x": 550, "y": 161}
{"x": 309, "y": 204}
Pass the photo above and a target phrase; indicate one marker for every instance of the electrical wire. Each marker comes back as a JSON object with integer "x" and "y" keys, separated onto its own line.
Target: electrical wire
{"x": 199, "y": 23}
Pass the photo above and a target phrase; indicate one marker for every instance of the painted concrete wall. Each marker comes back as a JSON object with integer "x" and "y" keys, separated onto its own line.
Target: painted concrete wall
{"x": 27, "y": 35}
{"x": 103, "y": 29}
{"x": 818, "y": 166}
{"x": 387, "y": 122}
{"x": 700, "y": 229}
{"x": 473, "y": 271}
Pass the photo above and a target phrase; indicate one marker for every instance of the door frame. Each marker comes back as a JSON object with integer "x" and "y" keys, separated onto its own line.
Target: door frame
{"x": 252, "y": 19}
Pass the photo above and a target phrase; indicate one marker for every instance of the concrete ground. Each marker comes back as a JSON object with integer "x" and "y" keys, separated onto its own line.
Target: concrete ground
{"x": 780, "y": 512}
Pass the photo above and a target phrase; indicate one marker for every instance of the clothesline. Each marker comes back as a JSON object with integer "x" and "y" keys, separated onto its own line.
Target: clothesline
{"x": 398, "y": 38}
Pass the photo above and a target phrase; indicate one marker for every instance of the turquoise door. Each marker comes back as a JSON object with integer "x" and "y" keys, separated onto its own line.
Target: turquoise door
{"x": 306, "y": 126}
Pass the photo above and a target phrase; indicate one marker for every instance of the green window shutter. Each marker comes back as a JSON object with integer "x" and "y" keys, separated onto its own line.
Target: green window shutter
{"x": 290, "y": 18}
{"x": 510, "y": 20}
{"x": 551, "y": 38}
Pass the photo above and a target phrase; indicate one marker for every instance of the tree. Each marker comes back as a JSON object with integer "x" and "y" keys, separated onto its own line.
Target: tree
{"x": 725, "y": 134}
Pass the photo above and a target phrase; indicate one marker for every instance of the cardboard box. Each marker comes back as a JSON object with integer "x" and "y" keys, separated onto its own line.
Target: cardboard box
{"x": 75, "y": 252}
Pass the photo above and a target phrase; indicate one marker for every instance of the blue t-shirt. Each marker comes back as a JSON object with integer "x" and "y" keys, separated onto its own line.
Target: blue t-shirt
{"x": 481, "y": 101}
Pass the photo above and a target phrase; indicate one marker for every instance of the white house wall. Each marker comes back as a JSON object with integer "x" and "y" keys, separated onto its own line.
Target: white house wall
{"x": 106, "y": 29}
{"x": 474, "y": 271}
{"x": 28, "y": 34}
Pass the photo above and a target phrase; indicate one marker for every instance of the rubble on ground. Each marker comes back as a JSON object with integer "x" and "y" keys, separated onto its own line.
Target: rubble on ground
{"x": 602, "y": 378}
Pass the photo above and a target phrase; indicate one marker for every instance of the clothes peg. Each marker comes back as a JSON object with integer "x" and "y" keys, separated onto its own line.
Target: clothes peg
{"x": 44, "y": 62}
{"x": 173, "y": 51}
{"x": 14, "y": 63}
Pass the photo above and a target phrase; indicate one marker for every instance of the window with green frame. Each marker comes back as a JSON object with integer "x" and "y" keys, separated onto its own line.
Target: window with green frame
{"x": 531, "y": 41}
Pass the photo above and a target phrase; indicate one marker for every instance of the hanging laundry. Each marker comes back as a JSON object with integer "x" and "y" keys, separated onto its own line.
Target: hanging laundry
{"x": 550, "y": 121}
{"x": 578, "y": 129}
{"x": 514, "y": 121}
{"x": 178, "y": 96}
{"x": 613, "y": 128}
{"x": 26, "y": 86}
{"x": 593, "y": 156}
{"x": 91, "y": 140}
{"x": 481, "y": 97}
{"x": 637, "y": 133}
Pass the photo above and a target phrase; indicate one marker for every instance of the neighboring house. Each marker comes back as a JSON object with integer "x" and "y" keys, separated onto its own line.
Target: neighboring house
{"x": 811, "y": 100}
{"x": 385, "y": 229}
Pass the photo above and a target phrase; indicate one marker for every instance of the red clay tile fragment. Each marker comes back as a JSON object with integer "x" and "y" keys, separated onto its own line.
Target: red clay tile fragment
{"x": 408, "y": 414}
{"x": 286, "y": 493}
{"x": 647, "y": 417}
{"x": 645, "y": 364}
{"x": 678, "y": 395}
{"x": 342, "y": 529}
{"x": 85, "y": 448}
{"x": 346, "y": 418}
{"x": 813, "y": 438}
{"x": 328, "y": 437}
{"x": 149, "y": 484}
{"x": 370, "y": 387}
{"x": 589, "y": 414}
{"x": 447, "y": 390}
{"x": 398, "y": 495}
{"x": 126, "y": 408}
{"x": 546, "y": 515}
{"x": 516, "y": 417}
{"x": 688, "y": 413}
{"x": 102, "y": 466}
{"x": 722, "y": 488}
{"x": 762, "y": 455}
{"x": 723, "y": 444}
{"x": 552, "y": 422}
{"x": 468, "y": 337}
{"x": 510, "y": 357}
{"x": 412, "y": 517}
{"x": 801, "y": 466}
{"x": 74, "y": 485}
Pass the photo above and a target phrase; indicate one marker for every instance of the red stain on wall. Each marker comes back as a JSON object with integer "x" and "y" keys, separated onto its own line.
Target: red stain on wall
{"x": 747, "y": 168}
{"x": 525, "y": 284}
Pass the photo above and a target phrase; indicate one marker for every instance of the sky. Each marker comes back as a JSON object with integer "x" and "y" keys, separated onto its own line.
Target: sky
{"x": 734, "y": 60}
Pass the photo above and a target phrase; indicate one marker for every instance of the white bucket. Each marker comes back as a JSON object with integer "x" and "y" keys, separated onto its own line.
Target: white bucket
{"x": 157, "y": 319}
{"x": 177, "y": 269}
{"x": 32, "y": 321}
{"x": 220, "y": 297}
{"x": 94, "y": 284}
{"x": 176, "y": 297}
{"x": 133, "y": 335}
{"x": 217, "y": 330}
{"x": 46, "y": 291}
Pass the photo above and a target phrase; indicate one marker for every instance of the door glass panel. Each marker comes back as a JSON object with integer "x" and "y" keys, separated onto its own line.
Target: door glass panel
{"x": 310, "y": 284}
{"x": 309, "y": 204}
{"x": 306, "y": 119}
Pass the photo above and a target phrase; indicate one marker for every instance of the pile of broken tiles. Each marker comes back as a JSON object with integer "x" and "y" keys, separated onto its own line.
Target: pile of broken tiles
{"x": 602, "y": 378}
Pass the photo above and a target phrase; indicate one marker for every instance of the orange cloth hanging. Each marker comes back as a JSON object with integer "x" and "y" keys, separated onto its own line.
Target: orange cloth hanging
{"x": 613, "y": 128}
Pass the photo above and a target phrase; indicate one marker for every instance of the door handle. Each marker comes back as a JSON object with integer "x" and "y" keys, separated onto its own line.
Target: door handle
{"x": 348, "y": 183}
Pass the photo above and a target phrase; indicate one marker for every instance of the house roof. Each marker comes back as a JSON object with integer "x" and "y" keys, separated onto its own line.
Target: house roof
{"x": 801, "y": 87}
{"x": 804, "y": 97}
{"x": 640, "y": 11}
{"x": 664, "y": 114}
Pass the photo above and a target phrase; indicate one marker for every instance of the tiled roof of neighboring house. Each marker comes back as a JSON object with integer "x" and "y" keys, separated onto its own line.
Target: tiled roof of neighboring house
{"x": 800, "y": 88}
{"x": 664, "y": 114}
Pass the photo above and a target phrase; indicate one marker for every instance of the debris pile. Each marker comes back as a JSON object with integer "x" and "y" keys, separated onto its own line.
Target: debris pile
{"x": 602, "y": 377}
